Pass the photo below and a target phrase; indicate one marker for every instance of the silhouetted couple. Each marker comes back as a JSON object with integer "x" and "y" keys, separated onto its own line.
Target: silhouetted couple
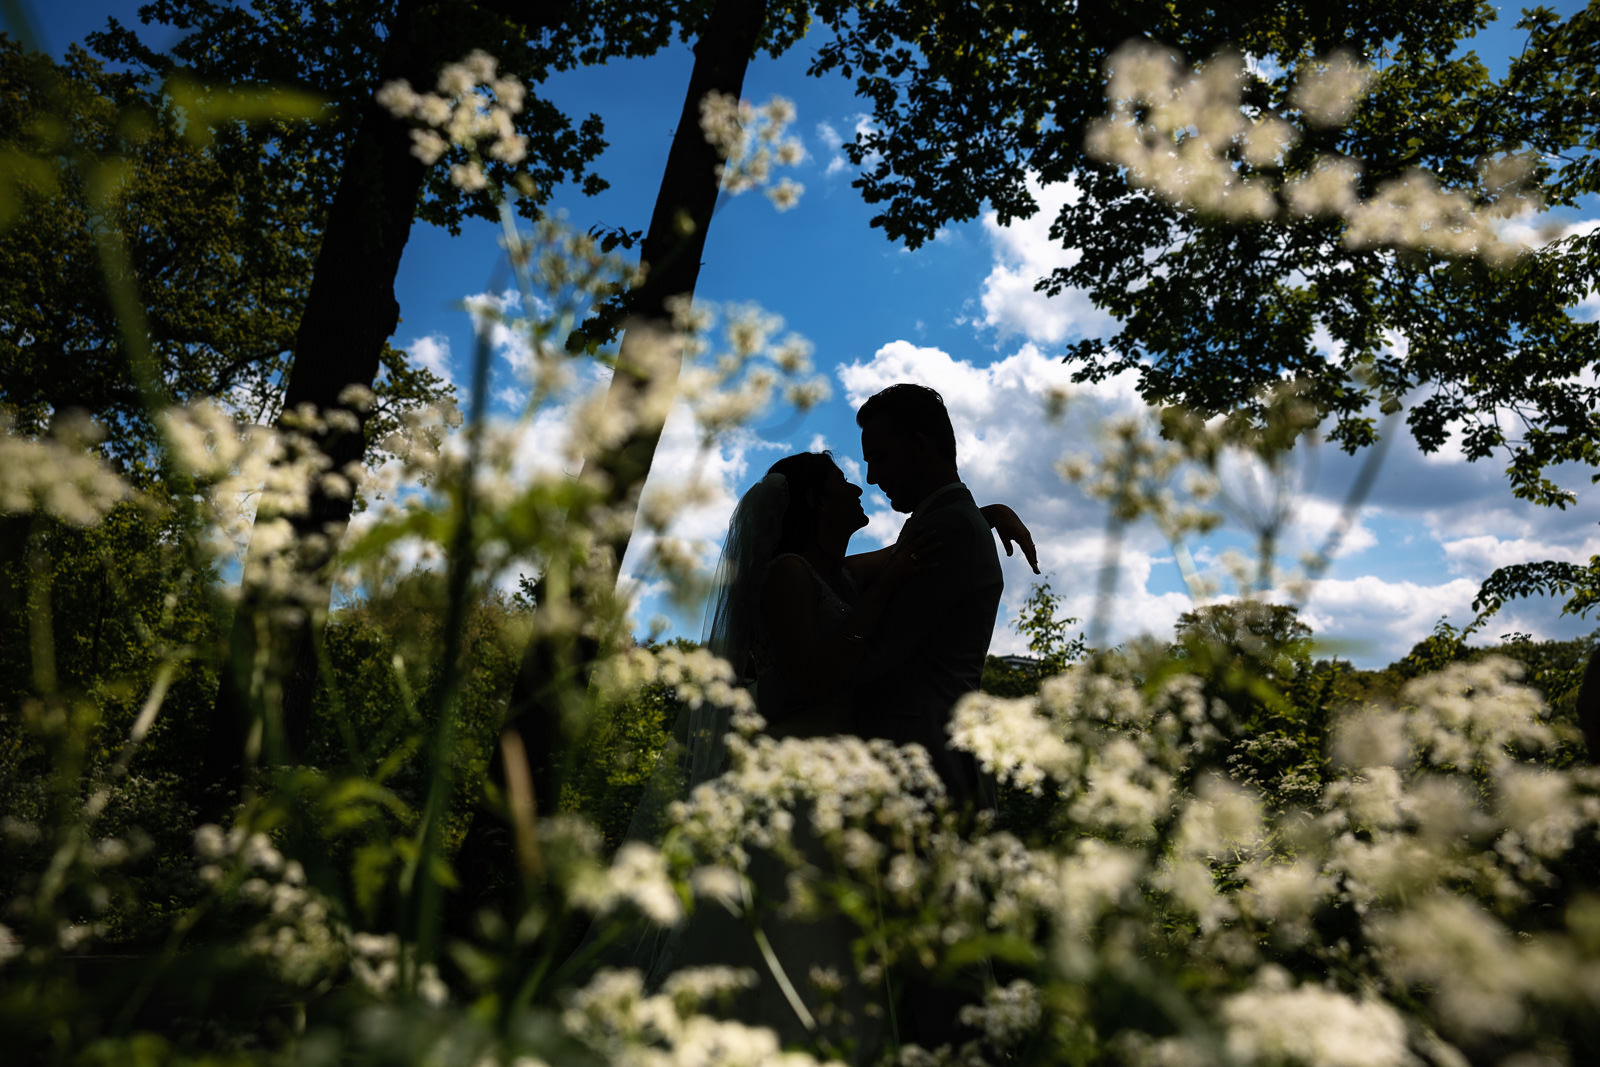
{"x": 880, "y": 645}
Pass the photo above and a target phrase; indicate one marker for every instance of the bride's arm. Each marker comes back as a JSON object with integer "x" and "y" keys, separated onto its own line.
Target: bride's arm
{"x": 1004, "y": 522}
{"x": 816, "y": 660}
{"x": 789, "y": 616}
{"x": 865, "y": 567}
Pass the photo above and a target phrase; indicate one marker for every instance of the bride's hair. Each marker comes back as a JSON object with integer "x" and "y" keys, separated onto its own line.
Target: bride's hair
{"x": 806, "y": 473}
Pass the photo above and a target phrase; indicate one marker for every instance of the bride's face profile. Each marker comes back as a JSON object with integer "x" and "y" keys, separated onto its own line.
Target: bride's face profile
{"x": 839, "y": 507}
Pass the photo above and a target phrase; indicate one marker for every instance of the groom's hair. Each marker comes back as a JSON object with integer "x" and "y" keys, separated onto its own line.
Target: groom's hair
{"x": 913, "y": 409}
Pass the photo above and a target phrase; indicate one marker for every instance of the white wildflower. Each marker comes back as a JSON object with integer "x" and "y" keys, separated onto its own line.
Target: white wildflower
{"x": 1328, "y": 188}
{"x": 433, "y": 110}
{"x": 1328, "y": 90}
{"x": 468, "y": 177}
{"x": 1012, "y": 741}
{"x": 1285, "y": 895}
{"x": 1008, "y": 1013}
{"x": 1478, "y": 970}
{"x": 512, "y": 149}
{"x": 694, "y": 986}
{"x": 60, "y": 475}
{"x": 637, "y": 875}
{"x": 1541, "y": 805}
{"x": 720, "y": 884}
{"x": 1220, "y": 822}
{"x": 1371, "y": 739}
{"x": 1275, "y": 1023}
{"x": 398, "y": 98}
{"x": 430, "y": 987}
{"x": 786, "y": 194}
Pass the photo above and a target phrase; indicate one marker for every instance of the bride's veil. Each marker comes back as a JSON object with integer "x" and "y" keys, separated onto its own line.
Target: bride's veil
{"x": 698, "y": 749}
{"x": 733, "y": 616}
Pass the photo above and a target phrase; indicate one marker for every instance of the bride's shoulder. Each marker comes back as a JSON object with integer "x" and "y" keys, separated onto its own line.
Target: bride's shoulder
{"x": 788, "y": 567}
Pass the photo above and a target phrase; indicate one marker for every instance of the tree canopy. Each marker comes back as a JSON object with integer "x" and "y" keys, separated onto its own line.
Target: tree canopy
{"x": 219, "y": 259}
{"x": 974, "y": 106}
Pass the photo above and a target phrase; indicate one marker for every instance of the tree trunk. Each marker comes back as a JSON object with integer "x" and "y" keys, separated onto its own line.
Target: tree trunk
{"x": 675, "y": 242}
{"x": 350, "y": 313}
{"x": 555, "y": 668}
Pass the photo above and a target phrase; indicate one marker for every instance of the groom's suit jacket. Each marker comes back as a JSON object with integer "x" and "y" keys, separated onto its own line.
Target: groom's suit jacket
{"x": 930, "y": 645}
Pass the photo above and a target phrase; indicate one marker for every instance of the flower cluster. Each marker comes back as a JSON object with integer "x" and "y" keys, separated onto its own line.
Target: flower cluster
{"x": 255, "y": 481}
{"x": 472, "y": 108}
{"x": 1109, "y": 752}
{"x": 1277, "y": 1021}
{"x": 60, "y": 475}
{"x": 1174, "y": 131}
{"x": 616, "y": 1017}
{"x": 695, "y": 676}
{"x": 842, "y": 783}
{"x": 292, "y": 928}
{"x": 751, "y": 141}
{"x": 1135, "y": 476}
{"x": 1186, "y": 136}
{"x": 1446, "y": 823}
{"x": 729, "y": 388}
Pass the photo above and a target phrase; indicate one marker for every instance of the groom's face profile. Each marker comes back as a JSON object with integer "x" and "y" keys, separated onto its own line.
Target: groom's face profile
{"x": 892, "y": 462}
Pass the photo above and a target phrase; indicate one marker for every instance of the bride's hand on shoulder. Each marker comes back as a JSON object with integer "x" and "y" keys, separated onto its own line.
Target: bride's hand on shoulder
{"x": 1011, "y": 529}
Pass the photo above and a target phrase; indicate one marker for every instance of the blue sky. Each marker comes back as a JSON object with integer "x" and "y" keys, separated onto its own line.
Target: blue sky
{"x": 960, "y": 314}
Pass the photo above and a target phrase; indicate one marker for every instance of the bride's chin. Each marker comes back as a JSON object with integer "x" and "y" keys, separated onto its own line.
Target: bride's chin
{"x": 862, "y": 521}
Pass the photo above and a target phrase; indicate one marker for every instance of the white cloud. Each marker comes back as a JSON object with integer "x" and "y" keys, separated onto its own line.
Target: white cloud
{"x": 1537, "y": 229}
{"x": 432, "y": 352}
{"x": 1024, "y": 252}
{"x": 829, "y": 136}
{"x": 1374, "y": 622}
{"x": 861, "y": 127}
{"x": 1480, "y": 554}
{"x": 494, "y": 320}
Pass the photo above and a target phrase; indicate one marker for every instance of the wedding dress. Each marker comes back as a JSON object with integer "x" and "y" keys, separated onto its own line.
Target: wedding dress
{"x": 791, "y": 705}
{"x": 814, "y": 954}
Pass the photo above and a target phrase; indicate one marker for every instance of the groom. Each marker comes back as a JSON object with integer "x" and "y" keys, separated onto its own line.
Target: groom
{"x": 930, "y": 646}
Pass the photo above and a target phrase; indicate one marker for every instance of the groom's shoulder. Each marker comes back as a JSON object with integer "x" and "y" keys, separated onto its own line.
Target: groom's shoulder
{"x": 956, "y": 516}
{"x": 955, "y": 502}
{"x": 953, "y": 497}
